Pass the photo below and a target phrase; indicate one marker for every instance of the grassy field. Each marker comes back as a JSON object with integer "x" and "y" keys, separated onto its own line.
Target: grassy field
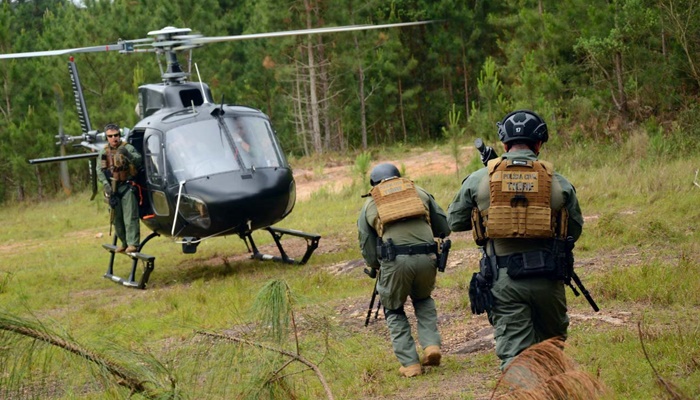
{"x": 201, "y": 331}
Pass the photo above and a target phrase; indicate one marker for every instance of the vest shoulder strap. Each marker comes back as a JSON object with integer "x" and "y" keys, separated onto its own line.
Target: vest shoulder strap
{"x": 493, "y": 164}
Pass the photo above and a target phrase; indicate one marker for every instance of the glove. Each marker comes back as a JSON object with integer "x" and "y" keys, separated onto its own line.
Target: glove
{"x": 372, "y": 272}
{"x": 107, "y": 188}
{"x": 480, "y": 296}
{"x": 123, "y": 152}
{"x": 114, "y": 201}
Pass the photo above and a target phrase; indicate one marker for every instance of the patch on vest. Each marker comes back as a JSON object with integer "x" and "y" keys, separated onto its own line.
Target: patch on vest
{"x": 396, "y": 199}
{"x": 519, "y": 181}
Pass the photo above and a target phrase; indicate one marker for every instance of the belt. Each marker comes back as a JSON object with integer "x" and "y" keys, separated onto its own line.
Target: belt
{"x": 416, "y": 249}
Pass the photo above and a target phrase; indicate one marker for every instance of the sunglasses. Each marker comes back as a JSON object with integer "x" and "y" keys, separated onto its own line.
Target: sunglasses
{"x": 115, "y": 135}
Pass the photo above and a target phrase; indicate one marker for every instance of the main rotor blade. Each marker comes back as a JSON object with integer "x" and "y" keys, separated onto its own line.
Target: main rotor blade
{"x": 214, "y": 39}
{"x": 122, "y": 46}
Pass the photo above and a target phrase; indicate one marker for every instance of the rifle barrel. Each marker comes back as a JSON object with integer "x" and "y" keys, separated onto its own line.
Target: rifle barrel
{"x": 585, "y": 292}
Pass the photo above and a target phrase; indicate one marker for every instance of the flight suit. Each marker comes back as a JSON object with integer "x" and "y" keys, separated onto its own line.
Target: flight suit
{"x": 407, "y": 275}
{"x": 126, "y": 214}
{"x": 528, "y": 310}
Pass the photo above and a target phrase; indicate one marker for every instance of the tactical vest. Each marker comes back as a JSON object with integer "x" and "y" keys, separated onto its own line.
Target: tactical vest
{"x": 520, "y": 202}
{"x": 118, "y": 165}
{"x": 397, "y": 199}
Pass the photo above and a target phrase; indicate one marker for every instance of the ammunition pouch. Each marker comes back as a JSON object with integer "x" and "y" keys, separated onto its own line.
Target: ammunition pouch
{"x": 387, "y": 251}
{"x": 532, "y": 264}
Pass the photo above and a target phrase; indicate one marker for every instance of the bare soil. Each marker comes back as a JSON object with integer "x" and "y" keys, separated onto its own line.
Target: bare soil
{"x": 417, "y": 163}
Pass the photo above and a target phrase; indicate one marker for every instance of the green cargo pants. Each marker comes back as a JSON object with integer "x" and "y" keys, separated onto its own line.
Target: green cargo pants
{"x": 526, "y": 312}
{"x": 412, "y": 276}
{"x": 126, "y": 217}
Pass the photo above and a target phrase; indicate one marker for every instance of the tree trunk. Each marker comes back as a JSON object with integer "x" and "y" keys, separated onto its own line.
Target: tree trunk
{"x": 466, "y": 81}
{"x": 621, "y": 94}
{"x": 361, "y": 95}
{"x": 313, "y": 97}
{"x": 325, "y": 94}
{"x": 39, "y": 183}
{"x": 401, "y": 110}
{"x": 301, "y": 117}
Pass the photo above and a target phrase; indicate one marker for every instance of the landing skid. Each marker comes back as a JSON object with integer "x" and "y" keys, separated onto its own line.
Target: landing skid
{"x": 277, "y": 233}
{"x": 149, "y": 264}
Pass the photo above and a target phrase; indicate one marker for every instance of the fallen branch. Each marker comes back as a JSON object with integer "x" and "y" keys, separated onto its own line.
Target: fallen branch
{"x": 293, "y": 356}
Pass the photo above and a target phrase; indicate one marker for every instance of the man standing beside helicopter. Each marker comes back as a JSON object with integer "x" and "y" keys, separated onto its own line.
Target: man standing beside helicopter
{"x": 119, "y": 164}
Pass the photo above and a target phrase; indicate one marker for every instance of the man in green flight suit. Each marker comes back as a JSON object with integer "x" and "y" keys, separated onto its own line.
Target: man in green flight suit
{"x": 397, "y": 227}
{"x": 518, "y": 209}
{"x": 119, "y": 164}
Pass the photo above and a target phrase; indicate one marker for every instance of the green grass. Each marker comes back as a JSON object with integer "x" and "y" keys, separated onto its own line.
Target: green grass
{"x": 638, "y": 257}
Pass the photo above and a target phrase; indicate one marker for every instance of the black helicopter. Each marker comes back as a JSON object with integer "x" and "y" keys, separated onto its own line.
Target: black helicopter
{"x": 232, "y": 176}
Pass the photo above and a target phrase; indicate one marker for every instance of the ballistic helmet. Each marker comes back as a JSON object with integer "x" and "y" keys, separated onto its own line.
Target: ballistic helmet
{"x": 383, "y": 171}
{"x": 522, "y": 125}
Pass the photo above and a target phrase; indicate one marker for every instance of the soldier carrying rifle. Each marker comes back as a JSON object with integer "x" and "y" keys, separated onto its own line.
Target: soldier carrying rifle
{"x": 520, "y": 212}
{"x": 397, "y": 228}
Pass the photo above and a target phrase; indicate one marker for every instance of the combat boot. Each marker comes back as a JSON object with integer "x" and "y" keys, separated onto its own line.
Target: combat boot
{"x": 431, "y": 356}
{"x": 131, "y": 249}
{"x": 411, "y": 370}
{"x": 120, "y": 249}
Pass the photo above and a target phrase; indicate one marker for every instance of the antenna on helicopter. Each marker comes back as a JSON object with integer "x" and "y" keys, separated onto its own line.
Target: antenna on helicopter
{"x": 204, "y": 94}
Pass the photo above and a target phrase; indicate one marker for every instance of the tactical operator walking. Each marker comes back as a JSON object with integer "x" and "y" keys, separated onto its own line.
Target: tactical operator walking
{"x": 520, "y": 211}
{"x": 119, "y": 163}
{"x": 397, "y": 227}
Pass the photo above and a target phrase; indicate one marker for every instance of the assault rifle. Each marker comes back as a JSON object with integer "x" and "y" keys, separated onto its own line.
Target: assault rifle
{"x": 565, "y": 258}
{"x": 487, "y": 152}
{"x": 372, "y": 273}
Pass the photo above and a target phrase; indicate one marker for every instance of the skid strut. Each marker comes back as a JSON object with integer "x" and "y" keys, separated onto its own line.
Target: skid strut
{"x": 148, "y": 260}
{"x": 277, "y": 233}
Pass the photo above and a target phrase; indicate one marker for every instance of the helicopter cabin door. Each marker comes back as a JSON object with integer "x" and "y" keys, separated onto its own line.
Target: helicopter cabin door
{"x": 154, "y": 166}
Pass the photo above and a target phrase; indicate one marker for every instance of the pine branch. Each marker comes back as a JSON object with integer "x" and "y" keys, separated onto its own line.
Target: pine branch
{"x": 295, "y": 357}
{"x": 125, "y": 378}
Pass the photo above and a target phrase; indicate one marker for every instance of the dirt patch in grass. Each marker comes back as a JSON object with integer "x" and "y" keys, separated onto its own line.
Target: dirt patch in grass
{"x": 417, "y": 163}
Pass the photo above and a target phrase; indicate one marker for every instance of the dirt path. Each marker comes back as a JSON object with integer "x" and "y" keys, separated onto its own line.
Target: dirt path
{"x": 416, "y": 164}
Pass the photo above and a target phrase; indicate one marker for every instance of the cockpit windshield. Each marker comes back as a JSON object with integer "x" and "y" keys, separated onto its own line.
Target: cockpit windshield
{"x": 208, "y": 147}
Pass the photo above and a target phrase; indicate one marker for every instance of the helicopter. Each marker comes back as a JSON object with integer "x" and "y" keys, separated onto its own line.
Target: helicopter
{"x": 218, "y": 184}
